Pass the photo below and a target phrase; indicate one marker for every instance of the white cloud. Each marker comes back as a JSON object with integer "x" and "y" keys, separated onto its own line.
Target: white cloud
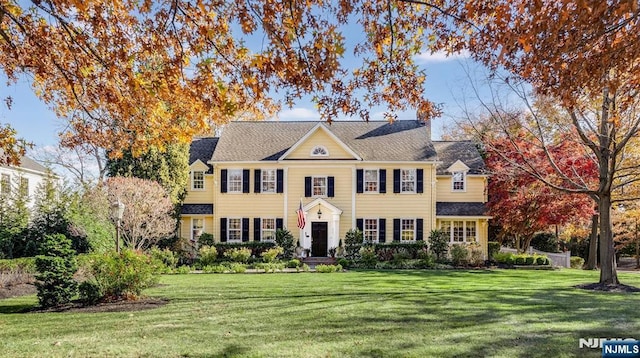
{"x": 299, "y": 114}
{"x": 440, "y": 56}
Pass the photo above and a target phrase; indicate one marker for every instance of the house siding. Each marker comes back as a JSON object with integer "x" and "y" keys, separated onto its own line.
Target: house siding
{"x": 475, "y": 190}
{"x": 319, "y": 138}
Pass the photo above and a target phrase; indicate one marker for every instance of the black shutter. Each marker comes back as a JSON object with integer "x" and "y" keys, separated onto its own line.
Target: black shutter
{"x": 419, "y": 229}
{"x": 419, "y": 180}
{"x": 245, "y": 229}
{"x": 330, "y": 187}
{"x": 360, "y": 224}
{"x": 223, "y": 229}
{"x": 383, "y": 181}
{"x": 245, "y": 180}
{"x": 382, "y": 230}
{"x": 256, "y": 229}
{"x": 279, "y": 181}
{"x": 279, "y": 223}
{"x": 223, "y": 181}
{"x": 396, "y": 229}
{"x": 257, "y": 180}
{"x": 307, "y": 187}
{"x": 396, "y": 180}
{"x": 359, "y": 181}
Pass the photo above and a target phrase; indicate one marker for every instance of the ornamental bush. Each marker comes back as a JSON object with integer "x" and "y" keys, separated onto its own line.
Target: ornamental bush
{"x": 56, "y": 265}
{"x": 207, "y": 255}
{"x": 122, "y": 276}
{"x": 576, "y": 262}
{"x": 352, "y": 244}
{"x": 241, "y": 255}
{"x": 459, "y": 254}
{"x": 439, "y": 244}
{"x": 271, "y": 254}
{"x": 284, "y": 239}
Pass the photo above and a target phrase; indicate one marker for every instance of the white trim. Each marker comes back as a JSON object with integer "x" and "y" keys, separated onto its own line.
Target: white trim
{"x": 415, "y": 181}
{"x": 275, "y": 180}
{"x": 364, "y": 229}
{"x": 326, "y": 186}
{"x": 229, "y": 170}
{"x": 316, "y": 128}
{"x": 464, "y": 166}
{"x": 364, "y": 181}
{"x": 464, "y": 182}
{"x": 198, "y": 217}
{"x": 415, "y": 224}
{"x": 274, "y": 228}
{"x": 229, "y": 231}
{"x": 193, "y": 188}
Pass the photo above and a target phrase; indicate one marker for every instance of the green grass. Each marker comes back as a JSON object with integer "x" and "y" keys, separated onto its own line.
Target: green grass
{"x": 506, "y": 313}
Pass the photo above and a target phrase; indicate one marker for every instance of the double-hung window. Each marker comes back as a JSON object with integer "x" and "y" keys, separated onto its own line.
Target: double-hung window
{"x": 268, "y": 181}
{"x": 234, "y": 181}
{"x": 197, "y": 180}
{"x": 234, "y": 229}
{"x": 371, "y": 180}
{"x": 24, "y": 186}
{"x": 408, "y": 181}
{"x": 197, "y": 226}
{"x": 407, "y": 230}
{"x": 370, "y": 232}
{"x": 458, "y": 181}
{"x": 470, "y": 231}
{"x": 458, "y": 231}
{"x": 319, "y": 186}
{"x": 268, "y": 229}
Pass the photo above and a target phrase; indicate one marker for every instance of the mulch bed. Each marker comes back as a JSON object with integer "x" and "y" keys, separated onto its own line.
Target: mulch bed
{"x": 115, "y": 306}
{"x": 619, "y": 288}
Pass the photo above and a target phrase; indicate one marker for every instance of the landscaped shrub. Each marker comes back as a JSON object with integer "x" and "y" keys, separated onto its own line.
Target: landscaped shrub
{"x": 459, "y": 254}
{"x": 238, "y": 267}
{"x": 89, "y": 293}
{"x": 270, "y": 266}
{"x": 183, "y": 270}
{"x": 56, "y": 265}
{"x": 400, "y": 250}
{"x": 344, "y": 262}
{"x": 493, "y": 248}
{"x": 22, "y": 264}
{"x": 214, "y": 269}
{"x": 426, "y": 260}
{"x": 541, "y": 260}
{"x": 328, "y": 268}
{"x": 207, "y": 255}
{"x": 545, "y": 241}
{"x": 352, "y": 244}
{"x": 293, "y": 263}
{"x": 520, "y": 259}
{"x": 167, "y": 257}
{"x": 271, "y": 254}
{"x": 439, "y": 244}
{"x": 256, "y": 247}
{"x": 284, "y": 239}
{"x": 576, "y": 262}
{"x": 206, "y": 239}
{"x": 529, "y": 260}
{"x": 122, "y": 276}
{"x": 238, "y": 255}
{"x": 368, "y": 257}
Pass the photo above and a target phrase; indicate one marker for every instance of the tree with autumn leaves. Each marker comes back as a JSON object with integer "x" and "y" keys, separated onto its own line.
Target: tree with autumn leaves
{"x": 522, "y": 205}
{"x": 129, "y": 74}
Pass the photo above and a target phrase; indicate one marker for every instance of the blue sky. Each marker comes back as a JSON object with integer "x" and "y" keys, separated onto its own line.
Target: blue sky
{"x": 447, "y": 83}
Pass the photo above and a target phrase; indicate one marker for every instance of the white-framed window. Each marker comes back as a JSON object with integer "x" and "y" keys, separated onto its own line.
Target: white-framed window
{"x": 371, "y": 180}
{"x": 268, "y": 229}
{"x": 458, "y": 181}
{"x": 319, "y": 151}
{"x": 197, "y": 180}
{"x": 268, "y": 181}
{"x": 407, "y": 230}
{"x": 319, "y": 186}
{"x": 234, "y": 229}
{"x": 370, "y": 233}
{"x": 407, "y": 180}
{"x": 24, "y": 186}
{"x": 470, "y": 232}
{"x": 197, "y": 228}
{"x": 5, "y": 184}
{"x": 234, "y": 181}
{"x": 458, "y": 231}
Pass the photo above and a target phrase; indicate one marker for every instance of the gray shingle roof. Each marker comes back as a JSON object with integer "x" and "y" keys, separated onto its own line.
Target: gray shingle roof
{"x": 460, "y": 209}
{"x": 197, "y": 209}
{"x": 451, "y": 151}
{"x": 30, "y": 164}
{"x": 372, "y": 141}
{"x": 202, "y": 148}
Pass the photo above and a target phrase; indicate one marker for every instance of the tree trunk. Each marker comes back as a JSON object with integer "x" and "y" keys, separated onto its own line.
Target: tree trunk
{"x": 592, "y": 261}
{"x": 608, "y": 273}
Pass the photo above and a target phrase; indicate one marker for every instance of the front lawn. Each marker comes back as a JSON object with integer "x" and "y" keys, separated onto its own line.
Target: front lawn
{"x": 507, "y": 313}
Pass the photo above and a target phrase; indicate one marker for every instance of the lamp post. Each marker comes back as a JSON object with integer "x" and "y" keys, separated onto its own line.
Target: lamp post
{"x": 117, "y": 211}
{"x": 319, "y": 213}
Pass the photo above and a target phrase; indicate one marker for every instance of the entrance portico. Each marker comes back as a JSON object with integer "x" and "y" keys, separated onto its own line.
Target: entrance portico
{"x": 322, "y": 229}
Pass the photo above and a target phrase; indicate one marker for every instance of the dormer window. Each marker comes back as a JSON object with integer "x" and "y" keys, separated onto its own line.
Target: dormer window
{"x": 197, "y": 180}
{"x": 458, "y": 181}
{"x": 319, "y": 151}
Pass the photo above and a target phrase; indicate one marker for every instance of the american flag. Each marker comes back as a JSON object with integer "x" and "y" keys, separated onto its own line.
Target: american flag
{"x": 301, "y": 220}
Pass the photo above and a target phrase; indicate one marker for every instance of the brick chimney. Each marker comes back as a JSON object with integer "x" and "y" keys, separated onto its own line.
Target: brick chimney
{"x": 421, "y": 117}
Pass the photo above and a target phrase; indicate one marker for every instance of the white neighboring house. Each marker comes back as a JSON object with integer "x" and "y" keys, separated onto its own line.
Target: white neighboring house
{"x": 28, "y": 176}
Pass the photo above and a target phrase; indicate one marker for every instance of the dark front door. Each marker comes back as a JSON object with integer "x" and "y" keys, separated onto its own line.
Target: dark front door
{"x": 318, "y": 239}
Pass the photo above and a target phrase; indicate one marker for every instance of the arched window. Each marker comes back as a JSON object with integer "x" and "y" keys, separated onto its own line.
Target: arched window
{"x": 319, "y": 151}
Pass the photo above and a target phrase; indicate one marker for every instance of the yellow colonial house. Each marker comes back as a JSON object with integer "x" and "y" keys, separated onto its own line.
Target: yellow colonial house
{"x": 388, "y": 179}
